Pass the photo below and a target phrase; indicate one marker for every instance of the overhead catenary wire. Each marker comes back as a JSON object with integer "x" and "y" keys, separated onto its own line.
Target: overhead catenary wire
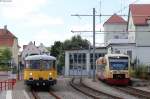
{"x": 120, "y": 11}
{"x": 107, "y": 32}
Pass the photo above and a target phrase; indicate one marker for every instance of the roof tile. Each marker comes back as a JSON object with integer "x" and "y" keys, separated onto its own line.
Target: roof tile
{"x": 140, "y": 13}
{"x": 115, "y": 19}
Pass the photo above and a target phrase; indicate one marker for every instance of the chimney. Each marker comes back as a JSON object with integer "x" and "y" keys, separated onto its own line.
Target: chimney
{"x": 34, "y": 43}
{"x": 5, "y": 27}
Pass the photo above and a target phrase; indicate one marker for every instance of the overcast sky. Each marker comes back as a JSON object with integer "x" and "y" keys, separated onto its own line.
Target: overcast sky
{"x": 46, "y": 21}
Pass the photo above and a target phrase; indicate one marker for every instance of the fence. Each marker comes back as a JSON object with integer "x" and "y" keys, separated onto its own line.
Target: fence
{"x": 7, "y": 84}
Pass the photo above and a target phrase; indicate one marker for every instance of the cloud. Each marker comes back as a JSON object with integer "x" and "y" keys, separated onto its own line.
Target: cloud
{"x": 21, "y": 8}
{"x": 28, "y": 13}
{"x": 46, "y": 37}
{"x": 43, "y": 19}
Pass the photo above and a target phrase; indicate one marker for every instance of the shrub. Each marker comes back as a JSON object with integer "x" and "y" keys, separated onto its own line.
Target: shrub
{"x": 141, "y": 71}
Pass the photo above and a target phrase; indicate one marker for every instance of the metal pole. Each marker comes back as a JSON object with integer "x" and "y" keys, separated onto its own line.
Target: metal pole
{"x": 81, "y": 65}
{"x": 90, "y": 62}
{"x": 73, "y": 65}
{"x": 94, "y": 44}
{"x": 77, "y": 61}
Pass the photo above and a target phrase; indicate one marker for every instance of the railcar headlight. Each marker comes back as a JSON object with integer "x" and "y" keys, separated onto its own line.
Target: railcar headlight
{"x": 50, "y": 73}
{"x": 30, "y": 74}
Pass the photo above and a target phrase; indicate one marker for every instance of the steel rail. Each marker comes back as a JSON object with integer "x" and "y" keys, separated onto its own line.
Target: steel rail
{"x": 89, "y": 91}
{"x": 54, "y": 95}
{"x": 134, "y": 91}
{"x": 35, "y": 95}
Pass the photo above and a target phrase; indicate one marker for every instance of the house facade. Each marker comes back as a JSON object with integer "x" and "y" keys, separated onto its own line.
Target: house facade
{"x": 139, "y": 31}
{"x": 115, "y": 29}
{"x": 8, "y": 40}
{"x": 43, "y": 49}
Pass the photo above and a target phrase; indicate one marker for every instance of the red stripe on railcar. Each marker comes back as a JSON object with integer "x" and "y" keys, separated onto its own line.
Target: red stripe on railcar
{"x": 118, "y": 81}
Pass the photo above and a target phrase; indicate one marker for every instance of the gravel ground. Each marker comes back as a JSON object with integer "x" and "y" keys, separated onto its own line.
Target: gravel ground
{"x": 65, "y": 91}
{"x": 62, "y": 89}
{"x": 45, "y": 95}
{"x": 105, "y": 88}
{"x": 146, "y": 88}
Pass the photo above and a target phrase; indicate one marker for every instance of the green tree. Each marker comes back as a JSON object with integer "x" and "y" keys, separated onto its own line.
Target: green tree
{"x": 5, "y": 57}
{"x": 7, "y": 54}
{"x": 76, "y": 42}
{"x": 58, "y": 49}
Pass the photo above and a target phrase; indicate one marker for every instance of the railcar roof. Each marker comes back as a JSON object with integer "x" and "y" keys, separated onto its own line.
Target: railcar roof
{"x": 40, "y": 57}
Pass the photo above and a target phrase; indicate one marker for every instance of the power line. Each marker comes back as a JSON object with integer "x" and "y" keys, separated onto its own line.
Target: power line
{"x": 126, "y": 6}
{"x": 109, "y": 15}
{"x": 99, "y": 32}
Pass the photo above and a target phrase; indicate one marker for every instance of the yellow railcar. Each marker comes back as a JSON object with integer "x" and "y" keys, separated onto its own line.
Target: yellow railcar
{"x": 40, "y": 70}
{"x": 113, "y": 69}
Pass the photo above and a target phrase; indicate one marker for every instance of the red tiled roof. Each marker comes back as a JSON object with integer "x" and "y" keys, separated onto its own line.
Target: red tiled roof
{"x": 115, "y": 19}
{"x": 6, "y": 38}
{"x": 140, "y": 13}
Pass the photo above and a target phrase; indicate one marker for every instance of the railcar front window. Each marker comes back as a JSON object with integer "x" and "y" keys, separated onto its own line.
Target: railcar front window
{"x": 118, "y": 64}
{"x": 35, "y": 64}
{"x": 47, "y": 64}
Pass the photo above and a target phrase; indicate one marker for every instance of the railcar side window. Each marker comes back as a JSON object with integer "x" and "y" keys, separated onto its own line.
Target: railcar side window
{"x": 27, "y": 64}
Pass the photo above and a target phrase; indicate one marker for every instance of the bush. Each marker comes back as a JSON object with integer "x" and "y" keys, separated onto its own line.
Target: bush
{"x": 141, "y": 71}
{"x": 4, "y": 68}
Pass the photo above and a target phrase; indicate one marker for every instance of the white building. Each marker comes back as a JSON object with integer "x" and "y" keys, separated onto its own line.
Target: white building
{"x": 80, "y": 61}
{"x": 29, "y": 49}
{"x": 138, "y": 43}
{"x": 115, "y": 30}
{"x": 32, "y": 49}
{"x": 139, "y": 30}
{"x": 43, "y": 49}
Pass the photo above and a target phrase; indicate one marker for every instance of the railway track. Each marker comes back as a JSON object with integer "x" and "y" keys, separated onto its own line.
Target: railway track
{"x": 54, "y": 95}
{"x": 91, "y": 92}
{"x": 36, "y": 96}
{"x": 136, "y": 92}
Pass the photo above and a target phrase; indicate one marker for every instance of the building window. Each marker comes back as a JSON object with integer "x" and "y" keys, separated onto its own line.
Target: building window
{"x": 97, "y": 55}
{"x": 129, "y": 53}
{"x": 116, "y": 37}
{"x": 116, "y": 51}
{"x": 71, "y": 61}
{"x": 77, "y": 60}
